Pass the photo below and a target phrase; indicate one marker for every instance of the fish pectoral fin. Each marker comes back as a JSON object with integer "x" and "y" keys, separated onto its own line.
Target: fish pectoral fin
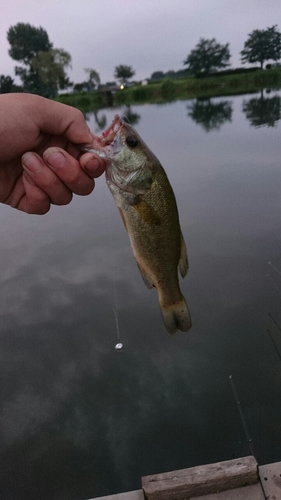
{"x": 129, "y": 199}
{"x": 147, "y": 213}
{"x": 183, "y": 262}
{"x": 146, "y": 279}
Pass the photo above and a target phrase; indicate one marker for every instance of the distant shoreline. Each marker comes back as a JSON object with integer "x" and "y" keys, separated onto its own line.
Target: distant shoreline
{"x": 168, "y": 90}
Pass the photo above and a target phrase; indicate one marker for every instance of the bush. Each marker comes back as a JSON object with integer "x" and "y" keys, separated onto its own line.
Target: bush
{"x": 226, "y": 72}
{"x": 140, "y": 94}
{"x": 168, "y": 89}
{"x": 83, "y": 101}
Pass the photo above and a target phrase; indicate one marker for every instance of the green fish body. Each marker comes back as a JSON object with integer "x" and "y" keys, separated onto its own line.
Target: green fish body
{"x": 148, "y": 208}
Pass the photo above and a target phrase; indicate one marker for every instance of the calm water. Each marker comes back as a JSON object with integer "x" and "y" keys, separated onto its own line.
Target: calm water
{"x": 78, "y": 418}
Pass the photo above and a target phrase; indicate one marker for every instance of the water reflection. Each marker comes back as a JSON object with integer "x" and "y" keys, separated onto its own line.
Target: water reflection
{"x": 262, "y": 110}
{"x": 130, "y": 116}
{"x": 210, "y": 114}
{"x": 100, "y": 119}
{"x": 79, "y": 419}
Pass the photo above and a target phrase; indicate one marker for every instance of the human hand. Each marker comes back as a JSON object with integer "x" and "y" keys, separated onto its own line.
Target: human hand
{"x": 40, "y": 159}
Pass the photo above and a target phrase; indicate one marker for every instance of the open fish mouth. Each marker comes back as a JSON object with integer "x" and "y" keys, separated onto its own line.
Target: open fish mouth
{"x": 109, "y": 142}
{"x": 110, "y": 133}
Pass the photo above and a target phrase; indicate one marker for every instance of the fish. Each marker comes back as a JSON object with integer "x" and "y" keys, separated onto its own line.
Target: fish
{"x": 148, "y": 208}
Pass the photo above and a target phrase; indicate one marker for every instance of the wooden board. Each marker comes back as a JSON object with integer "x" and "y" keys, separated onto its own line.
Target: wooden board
{"x": 201, "y": 480}
{"x": 252, "y": 492}
{"x": 129, "y": 495}
{"x": 270, "y": 476}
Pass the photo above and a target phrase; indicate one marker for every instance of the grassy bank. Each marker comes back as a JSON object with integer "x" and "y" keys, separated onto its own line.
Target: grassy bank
{"x": 85, "y": 101}
{"x": 191, "y": 87}
{"x": 186, "y": 88}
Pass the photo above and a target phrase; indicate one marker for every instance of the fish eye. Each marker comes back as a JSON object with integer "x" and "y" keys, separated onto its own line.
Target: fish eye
{"x": 131, "y": 141}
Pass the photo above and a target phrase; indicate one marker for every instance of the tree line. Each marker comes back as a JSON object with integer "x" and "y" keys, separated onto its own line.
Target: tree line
{"x": 260, "y": 46}
{"x": 43, "y": 67}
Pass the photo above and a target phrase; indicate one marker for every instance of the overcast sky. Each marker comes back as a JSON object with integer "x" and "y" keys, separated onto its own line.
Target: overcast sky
{"x": 149, "y": 35}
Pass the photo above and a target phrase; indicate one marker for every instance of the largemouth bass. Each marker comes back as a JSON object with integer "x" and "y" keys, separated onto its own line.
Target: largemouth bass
{"x": 148, "y": 208}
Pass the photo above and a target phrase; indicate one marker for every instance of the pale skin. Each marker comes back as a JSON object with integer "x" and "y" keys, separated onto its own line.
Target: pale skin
{"x": 40, "y": 159}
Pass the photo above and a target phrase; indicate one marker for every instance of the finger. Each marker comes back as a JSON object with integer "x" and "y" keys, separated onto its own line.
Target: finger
{"x": 68, "y": 171}
{"x": 35, "y": 200}
{"x": 46, "y": 179}
{"x": 92, "y": 164}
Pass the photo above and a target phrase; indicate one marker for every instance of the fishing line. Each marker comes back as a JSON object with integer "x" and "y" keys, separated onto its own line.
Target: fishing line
{"x": 273, "y": 342}
{"x": 119, "y": 345}
{"x": 125, "y": 118}
{"x": 274, "y": 267}
{"x": 274, "y": 321}
{"x": 274, "y": 284}
{"x": 243, "y": 419}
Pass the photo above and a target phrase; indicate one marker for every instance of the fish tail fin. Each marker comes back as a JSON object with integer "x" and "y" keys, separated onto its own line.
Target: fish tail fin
{"x": 176, "y": 316}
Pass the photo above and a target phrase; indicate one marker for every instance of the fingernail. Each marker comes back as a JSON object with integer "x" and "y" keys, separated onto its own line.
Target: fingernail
{"x": 32, "y": 163}
{"x": 55, "y": 159}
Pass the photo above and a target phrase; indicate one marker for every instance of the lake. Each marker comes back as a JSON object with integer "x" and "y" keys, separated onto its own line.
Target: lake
{"x": 80, "y": 419}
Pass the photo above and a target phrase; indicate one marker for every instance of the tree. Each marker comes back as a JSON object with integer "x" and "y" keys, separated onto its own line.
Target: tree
{"x": 31, "y": 81}
{"x": 50, "y": 66}
{"x": 123, "y": 73}
{"x": 207, "y": 56}
{"x": 26, "y": 41}
{"x": 262, "y": 45}
{"x": 6, "y": 84}
{"x": 94, "y": 78}
{"x": 43, "y": 67}
{"x": 157, "y": 75}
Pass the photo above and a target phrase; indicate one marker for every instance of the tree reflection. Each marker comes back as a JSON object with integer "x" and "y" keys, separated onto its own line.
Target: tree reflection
{"x": 129, "y": 116}
{"x": 210, "y": 115}
{"x": 100, "y": 120}
{"x": 262, "y": 110}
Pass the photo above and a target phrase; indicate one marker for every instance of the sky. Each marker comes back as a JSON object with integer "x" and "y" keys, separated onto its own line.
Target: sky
{"x": 149, "y": 35}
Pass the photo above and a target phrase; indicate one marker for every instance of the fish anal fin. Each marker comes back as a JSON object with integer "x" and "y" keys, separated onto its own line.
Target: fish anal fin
{"x": 146, "y": 279}
{"x": 183, "y": 262}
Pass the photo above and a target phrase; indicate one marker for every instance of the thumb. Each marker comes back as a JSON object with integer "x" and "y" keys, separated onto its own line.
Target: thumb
{"x": 60, "y": 119}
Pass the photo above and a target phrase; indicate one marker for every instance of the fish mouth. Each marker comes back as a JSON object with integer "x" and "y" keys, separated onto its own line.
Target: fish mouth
{"x": 110, "y": 133}
{"x": 108, "y": 137}
{"x": 109, "y": 143}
